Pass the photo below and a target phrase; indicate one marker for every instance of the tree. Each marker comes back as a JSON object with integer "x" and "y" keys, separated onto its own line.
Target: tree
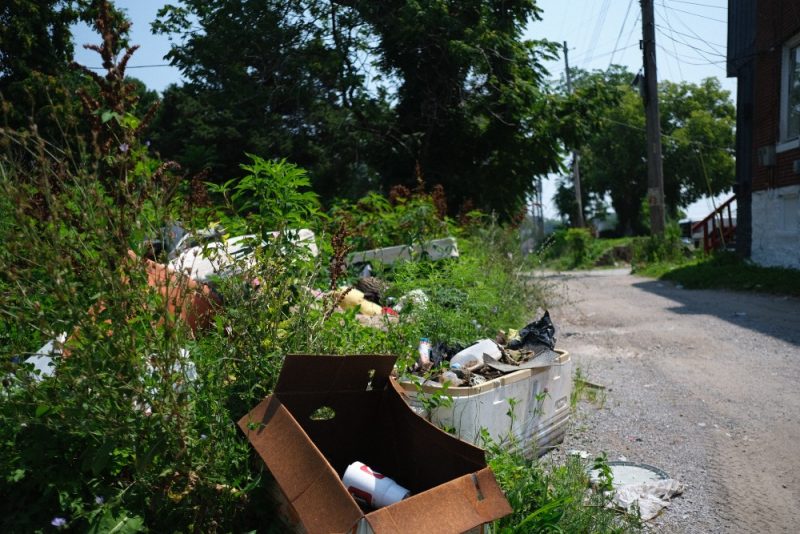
{"x": 366, "y": 95}
{"x": 275, "y": 79}
{"x": 37, "y": 83}
{"x": 471, "y": 112}
{"x": 697, "y": 122}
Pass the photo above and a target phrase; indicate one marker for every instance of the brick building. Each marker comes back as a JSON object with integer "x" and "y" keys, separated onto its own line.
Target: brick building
{"x": 764, "y": 56}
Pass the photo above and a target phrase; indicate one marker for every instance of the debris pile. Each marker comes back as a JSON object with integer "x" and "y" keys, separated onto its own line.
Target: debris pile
{"x": 530, "y": 348}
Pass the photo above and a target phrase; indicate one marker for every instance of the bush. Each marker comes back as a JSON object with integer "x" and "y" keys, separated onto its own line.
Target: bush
{"x": 569, "y": 249}
{"x": 667, "y": 248}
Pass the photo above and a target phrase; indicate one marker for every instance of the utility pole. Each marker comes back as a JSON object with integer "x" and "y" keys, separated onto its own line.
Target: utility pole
{"x": 576, "y": 158}
{"x": 655, "y": 169}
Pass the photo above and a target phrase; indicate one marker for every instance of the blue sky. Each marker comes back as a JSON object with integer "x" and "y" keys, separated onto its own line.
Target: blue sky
{"x": 691, "y": 37}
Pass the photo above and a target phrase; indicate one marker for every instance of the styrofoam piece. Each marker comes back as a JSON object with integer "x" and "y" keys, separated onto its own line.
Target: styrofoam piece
{"x": 472, "y": 357}
{"x": 225, "y": 258}
{"x": 42, "y": 360}
{"x": 303, "y": 238}
{"x": 217, "y": 258}
{"x": 195, "y": 239}
{"x": 434, "y": 250}
{"x": 540, "y": 407}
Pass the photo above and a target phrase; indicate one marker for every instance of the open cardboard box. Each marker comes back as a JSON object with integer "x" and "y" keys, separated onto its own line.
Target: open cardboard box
{"x": 365, "y": 419}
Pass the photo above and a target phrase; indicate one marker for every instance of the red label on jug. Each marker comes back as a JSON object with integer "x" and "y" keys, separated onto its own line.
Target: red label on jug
{"x": 369, "y": 471}
{"x": 360, "y": 494}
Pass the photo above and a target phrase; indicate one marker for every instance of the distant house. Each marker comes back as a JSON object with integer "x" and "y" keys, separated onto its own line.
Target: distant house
{"x": 764, "y": 56}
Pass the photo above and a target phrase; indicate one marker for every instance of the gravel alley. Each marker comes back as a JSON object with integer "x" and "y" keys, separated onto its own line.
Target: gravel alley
{"x": 702, "y": 384}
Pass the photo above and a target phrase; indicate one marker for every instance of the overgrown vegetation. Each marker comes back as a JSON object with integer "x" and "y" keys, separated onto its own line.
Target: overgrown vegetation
{"x": 549, "y": 497}
{"x": 134, "y": 431}
{"x": 577, "y": 248}
{"x": 727, "y": 271}
{"x": 665, "y": 257}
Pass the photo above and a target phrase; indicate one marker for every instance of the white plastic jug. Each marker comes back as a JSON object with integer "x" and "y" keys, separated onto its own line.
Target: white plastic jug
{"x": 472, "y": 357}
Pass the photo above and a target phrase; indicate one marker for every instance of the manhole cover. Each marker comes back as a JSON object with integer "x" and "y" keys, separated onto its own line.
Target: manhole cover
{"x": 625, "y": 473}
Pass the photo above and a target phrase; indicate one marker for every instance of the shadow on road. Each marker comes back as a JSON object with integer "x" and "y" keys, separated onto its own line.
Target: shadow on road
{"x": 771, "y": 315}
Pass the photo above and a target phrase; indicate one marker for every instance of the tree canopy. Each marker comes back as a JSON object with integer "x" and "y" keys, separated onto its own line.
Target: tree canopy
{"x": 366, "y": 95}
{"x": 697, "y": 125}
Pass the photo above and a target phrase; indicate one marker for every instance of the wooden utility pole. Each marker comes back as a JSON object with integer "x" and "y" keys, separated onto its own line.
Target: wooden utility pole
{"x": 576, "y": 158}
{"x": 655, "y": 169}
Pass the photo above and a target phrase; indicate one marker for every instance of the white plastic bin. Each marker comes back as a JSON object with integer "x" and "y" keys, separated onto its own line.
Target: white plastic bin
{"x": 534, "y": 421}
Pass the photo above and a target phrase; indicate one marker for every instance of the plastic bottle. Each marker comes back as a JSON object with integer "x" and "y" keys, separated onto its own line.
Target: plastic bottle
{"x": 424, "y": 350}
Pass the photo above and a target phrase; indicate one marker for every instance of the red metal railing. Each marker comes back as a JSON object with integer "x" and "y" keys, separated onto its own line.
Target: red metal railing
{"x": 718, "y": 228}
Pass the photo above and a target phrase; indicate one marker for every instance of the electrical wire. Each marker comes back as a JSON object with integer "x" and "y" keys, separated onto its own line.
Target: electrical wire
{"x": 135, "y": 66}
{"x": 674, "y": 46}
{"x": 711, "y": 45}
{"x": 621, "y": 28}
{"x": 693, "y": 14}
{"x": 694, "y": 35}
{"x": 597, "y": 28}
{"x": 693, "y": 63}
{"x": 698, "y": 4}
{"x": 700, "y": 51}
{"x": 634, "y": 127}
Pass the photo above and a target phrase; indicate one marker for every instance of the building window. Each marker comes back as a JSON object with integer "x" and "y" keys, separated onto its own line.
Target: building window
{"x": 790, "y": 94}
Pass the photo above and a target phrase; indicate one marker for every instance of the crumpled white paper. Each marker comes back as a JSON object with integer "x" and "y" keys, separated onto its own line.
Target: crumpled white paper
{"x": 651, "y": 497}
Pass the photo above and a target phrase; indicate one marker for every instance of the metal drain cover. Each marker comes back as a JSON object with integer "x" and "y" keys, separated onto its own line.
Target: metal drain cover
{"x": 625, "y": 473}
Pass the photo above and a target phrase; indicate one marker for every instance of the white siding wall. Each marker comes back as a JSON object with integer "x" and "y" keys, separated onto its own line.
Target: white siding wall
{"x": 776, "y": 227}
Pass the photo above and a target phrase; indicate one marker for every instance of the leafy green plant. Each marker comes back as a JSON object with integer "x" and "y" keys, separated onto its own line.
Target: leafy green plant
{"x": 550, "y": 497}
{"x": 605, "y": 477}
{"x": 667, "y": 248}
{"x": 724, "y": 270}
{"x": 272, "y": 196}
{"x": 578, "y": 241}
{"x": 376, "y": 222}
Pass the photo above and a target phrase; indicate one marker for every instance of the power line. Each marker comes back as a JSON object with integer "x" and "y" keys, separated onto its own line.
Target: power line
{"x": 598, "y": 26}
{"x": 597, "y": 56}
{"x": 674, "y": 46}
{"x": 135, "y": 67}
{"x": 621, "y": 28}
{"x": 634, "y": 127}
{"x": 696, "y": 49}
{"x": 699, "y": 4}
{"x": 662, "y": 4}
{"x": 712, "y": 46}
{"x": 694, "y": 63}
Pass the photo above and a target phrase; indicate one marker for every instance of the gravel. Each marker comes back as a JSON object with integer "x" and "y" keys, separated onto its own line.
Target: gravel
{"x": 701, "y": 384}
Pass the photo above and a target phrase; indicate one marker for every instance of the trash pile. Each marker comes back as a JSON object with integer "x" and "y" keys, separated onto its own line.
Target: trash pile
{"x": 530, "y": 348}
{"x": 638, "y": 488}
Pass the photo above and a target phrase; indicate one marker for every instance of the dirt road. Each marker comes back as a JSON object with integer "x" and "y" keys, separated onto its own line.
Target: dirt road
{"x": 703, "y": 384}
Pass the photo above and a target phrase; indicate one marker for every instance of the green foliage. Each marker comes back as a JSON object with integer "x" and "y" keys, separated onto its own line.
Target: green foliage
{"x": 552, "y": 498}
{"x": 273, "y": 196}
{"x": 375, "y": 222}
{"x": 697, "y": 122}
{"x": 278, "y": 79}
{"x": 573, "y": 248}
{"x": 660, "y": 248}
{"x": 468, "y": 87}
{"x": 578, "y": 243}
{"x": 368, "y": 95}
{"x": 726, "y": 271}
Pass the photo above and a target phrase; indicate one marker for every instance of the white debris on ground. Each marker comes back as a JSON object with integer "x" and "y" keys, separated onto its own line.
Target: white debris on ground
{"x": 649, "y": 497}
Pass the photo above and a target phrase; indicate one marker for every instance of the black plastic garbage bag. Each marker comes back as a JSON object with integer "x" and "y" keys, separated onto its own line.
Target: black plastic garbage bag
{"x": 442, "y": 351}
{"x": 537, "y": 336}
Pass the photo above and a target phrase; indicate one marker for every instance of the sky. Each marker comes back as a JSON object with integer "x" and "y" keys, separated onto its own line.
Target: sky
{"x": 691, "y": 37}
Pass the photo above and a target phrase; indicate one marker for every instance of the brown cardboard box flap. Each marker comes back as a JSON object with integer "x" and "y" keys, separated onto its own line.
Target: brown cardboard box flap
{"x": 457, "y": 506}
{"x": 317, "y": 374}
{"x": 452, "y": 488}
{"x": 309, "y": 483}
